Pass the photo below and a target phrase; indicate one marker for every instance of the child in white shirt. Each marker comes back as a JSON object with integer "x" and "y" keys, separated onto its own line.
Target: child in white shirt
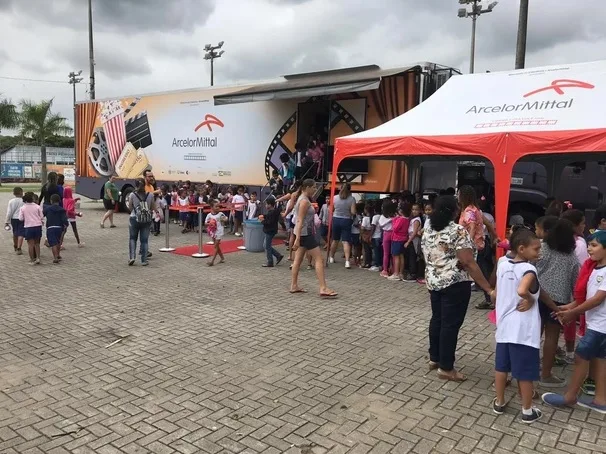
{"x": 252, "y": 210}
{"x": 519, "y": 322}
{"x": 12, "y": 219}
{"x": 592, "y": 346}
{"x": 377, "y": 244}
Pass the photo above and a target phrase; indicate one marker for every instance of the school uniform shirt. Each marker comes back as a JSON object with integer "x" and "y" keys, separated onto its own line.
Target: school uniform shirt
{"x": 355, "y": 227}
{"x": 596, "y": 317}
{"x": 217, "y": 231}
{"x": 385, "y": 223}
{"x": 580, "y": 249}
{"x": 239, "y": 201}
{"x": 375, "y": 221}
{"x": 12, "y": 211}
{"x": 252, "y": 209}
{"x": 366, "y": 224}
{"x": 183, "y": 204}
{"x": 324, "y": 214}
{"x": 427, "y": 223}
{"x": 513, "y": 326}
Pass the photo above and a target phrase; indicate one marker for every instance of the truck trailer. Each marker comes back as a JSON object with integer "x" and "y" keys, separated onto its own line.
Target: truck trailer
{"x": 236, "y": 135}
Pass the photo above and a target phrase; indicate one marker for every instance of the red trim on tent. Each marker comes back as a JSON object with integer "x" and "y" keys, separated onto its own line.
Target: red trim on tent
{"x": 502, "y": 149}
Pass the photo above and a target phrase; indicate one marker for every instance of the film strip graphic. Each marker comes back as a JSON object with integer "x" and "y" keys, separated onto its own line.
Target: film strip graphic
{"x": 341, "y": 114}
{"x": 277, "y": 142}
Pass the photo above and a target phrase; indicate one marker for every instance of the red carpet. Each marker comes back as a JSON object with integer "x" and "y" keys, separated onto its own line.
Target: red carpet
{"x": 227, "y": 246}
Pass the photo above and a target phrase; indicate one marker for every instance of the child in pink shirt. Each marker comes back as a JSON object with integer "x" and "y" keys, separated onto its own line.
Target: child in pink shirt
{"x": 32, "y": 217}
{"x": 399, "y": 237}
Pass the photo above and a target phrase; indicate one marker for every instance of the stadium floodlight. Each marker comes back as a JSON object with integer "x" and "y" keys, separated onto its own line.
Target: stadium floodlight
{"x": 476, "y": 10}
{"x": 212, "y": 54}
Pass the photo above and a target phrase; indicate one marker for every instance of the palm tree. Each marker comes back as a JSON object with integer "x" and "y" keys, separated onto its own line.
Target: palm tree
{"x": 8, "y": 119}
{"x": 39, "y": 123}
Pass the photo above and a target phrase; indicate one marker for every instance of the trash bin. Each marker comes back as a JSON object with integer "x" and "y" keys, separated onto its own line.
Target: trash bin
{"x": 253, "y": 235}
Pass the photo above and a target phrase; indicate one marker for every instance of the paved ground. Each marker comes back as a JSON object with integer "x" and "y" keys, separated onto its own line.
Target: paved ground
{"x": 224, "y": 360}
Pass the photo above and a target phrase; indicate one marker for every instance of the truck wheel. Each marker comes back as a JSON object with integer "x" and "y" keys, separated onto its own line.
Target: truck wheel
{"x": 126, "y": 191}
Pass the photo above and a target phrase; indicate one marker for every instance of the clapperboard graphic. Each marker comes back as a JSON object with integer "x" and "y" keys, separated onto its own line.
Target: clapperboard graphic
{"x": 137, "y": 131}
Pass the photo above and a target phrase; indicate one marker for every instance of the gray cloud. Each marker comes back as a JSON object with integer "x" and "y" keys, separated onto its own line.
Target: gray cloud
{"x": 161, "y": 41}
{"x": 113, "y": 62}
{"x": 175, "y": 49}
{"x": 126, "y": 16}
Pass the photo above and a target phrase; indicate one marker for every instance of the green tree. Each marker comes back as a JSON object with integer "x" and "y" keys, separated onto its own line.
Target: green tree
{"x": 39, "y": 123}
{"x": 8, "y": 119}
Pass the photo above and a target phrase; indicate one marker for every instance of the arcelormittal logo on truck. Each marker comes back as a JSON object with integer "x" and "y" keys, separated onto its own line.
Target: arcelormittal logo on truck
{"x": 557, "y": 86}
{"x": 201, "y": 141}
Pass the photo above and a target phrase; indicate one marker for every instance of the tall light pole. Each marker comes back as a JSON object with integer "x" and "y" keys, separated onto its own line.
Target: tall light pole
{"x": 522, "y": 31}
{"x": 476, "y": 10}
{"x": 211, "y": 54}
{"x": 91, "y": 53}
{"x": 74, "y": 78}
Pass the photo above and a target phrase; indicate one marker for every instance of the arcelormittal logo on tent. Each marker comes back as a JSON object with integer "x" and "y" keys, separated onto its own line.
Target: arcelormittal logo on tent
{"x": 558, "y": 87}
{"x": 201, "y": 141}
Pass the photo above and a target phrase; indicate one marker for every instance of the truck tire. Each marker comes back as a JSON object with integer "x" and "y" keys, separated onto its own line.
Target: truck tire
{"x": 126, "y": 191}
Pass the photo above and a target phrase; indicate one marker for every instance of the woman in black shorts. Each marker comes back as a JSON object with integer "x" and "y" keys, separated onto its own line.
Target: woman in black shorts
{"x": 305, "y": 240}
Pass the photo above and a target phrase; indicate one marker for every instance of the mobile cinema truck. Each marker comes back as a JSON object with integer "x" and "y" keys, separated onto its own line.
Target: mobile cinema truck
{"x": 236, "y": 135}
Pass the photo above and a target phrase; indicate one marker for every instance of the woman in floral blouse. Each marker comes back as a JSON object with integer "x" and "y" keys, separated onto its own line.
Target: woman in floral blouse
{"x": 450, "y": 269}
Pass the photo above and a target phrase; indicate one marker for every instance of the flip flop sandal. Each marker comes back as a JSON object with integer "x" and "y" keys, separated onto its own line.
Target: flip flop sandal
{"x": 299, "y": 290}
{"x": 456, "y": 377}
{"x": 328, "y": 295}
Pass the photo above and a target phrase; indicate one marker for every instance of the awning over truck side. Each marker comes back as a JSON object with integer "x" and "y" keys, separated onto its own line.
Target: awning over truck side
{"x": 314, "y": 84}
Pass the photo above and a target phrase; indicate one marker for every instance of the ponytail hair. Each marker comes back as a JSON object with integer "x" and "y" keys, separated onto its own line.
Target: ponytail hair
{"x": 345, "y": 191}
{"x": 445, "y": 209}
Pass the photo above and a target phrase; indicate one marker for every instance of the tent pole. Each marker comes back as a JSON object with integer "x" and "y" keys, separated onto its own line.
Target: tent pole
{"x": 502, "y": 189}
{"x": 333, "y": 188}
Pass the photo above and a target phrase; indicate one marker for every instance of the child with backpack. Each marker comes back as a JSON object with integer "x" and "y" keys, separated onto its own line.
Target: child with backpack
{"x": 142, "y": 205}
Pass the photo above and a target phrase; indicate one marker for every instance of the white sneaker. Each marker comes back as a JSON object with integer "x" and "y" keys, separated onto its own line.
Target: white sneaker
{"x": 331, "y": 260}
{"x": 394, "y": 277}
{"x": 347, "y": 265}
{"x": 374, "y": 268}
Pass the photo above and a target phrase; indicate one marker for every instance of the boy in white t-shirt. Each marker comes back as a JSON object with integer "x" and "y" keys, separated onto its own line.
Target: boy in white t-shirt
{"x": 239, "y": 204}
{"x": 377, "y": 245}
{"x": 592, "y": 346}
{"x": 519, "y": 322}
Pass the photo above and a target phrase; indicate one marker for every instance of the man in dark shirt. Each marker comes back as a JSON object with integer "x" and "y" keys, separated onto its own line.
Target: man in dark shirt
{"x": 270, "y": 229}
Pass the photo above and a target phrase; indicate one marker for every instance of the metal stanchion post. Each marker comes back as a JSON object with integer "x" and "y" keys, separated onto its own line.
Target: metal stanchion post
{"x": 200, "y": 254}
{"x": 167, "y": 248}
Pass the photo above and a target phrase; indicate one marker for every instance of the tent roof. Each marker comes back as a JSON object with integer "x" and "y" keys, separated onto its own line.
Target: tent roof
{"x": 553, "y": 109}
{"x": 550, "y": 98}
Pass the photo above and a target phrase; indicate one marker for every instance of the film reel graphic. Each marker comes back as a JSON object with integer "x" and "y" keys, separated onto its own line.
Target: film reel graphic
{"x": 277, "y": 147}
{"x": 98, "y": 154}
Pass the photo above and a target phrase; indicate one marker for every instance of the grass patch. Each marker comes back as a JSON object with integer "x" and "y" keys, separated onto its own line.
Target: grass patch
{"x": 9, "y": 189}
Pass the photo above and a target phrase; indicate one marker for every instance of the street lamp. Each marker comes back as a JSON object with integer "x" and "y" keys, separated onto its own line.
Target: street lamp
{"x": 476, "y": 10}
{"x": 74, "y": 78}
{"x": 211, "y": 54}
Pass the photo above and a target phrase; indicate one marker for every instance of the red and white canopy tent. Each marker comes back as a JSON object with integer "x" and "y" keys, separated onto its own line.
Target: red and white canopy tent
{"x": 501, "y": 117}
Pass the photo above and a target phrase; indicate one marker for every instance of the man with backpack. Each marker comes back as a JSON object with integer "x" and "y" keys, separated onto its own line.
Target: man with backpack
{"x": 142, "y": 208}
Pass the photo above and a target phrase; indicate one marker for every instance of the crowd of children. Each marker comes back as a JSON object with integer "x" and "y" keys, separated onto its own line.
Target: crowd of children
{"x": 26, "y": 219}
{"x": 548, "y": 280}
{"x": 386, "y": 235}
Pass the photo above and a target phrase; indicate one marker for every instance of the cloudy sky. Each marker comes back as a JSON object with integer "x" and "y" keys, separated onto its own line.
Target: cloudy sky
{"x": 145, "y": 46}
